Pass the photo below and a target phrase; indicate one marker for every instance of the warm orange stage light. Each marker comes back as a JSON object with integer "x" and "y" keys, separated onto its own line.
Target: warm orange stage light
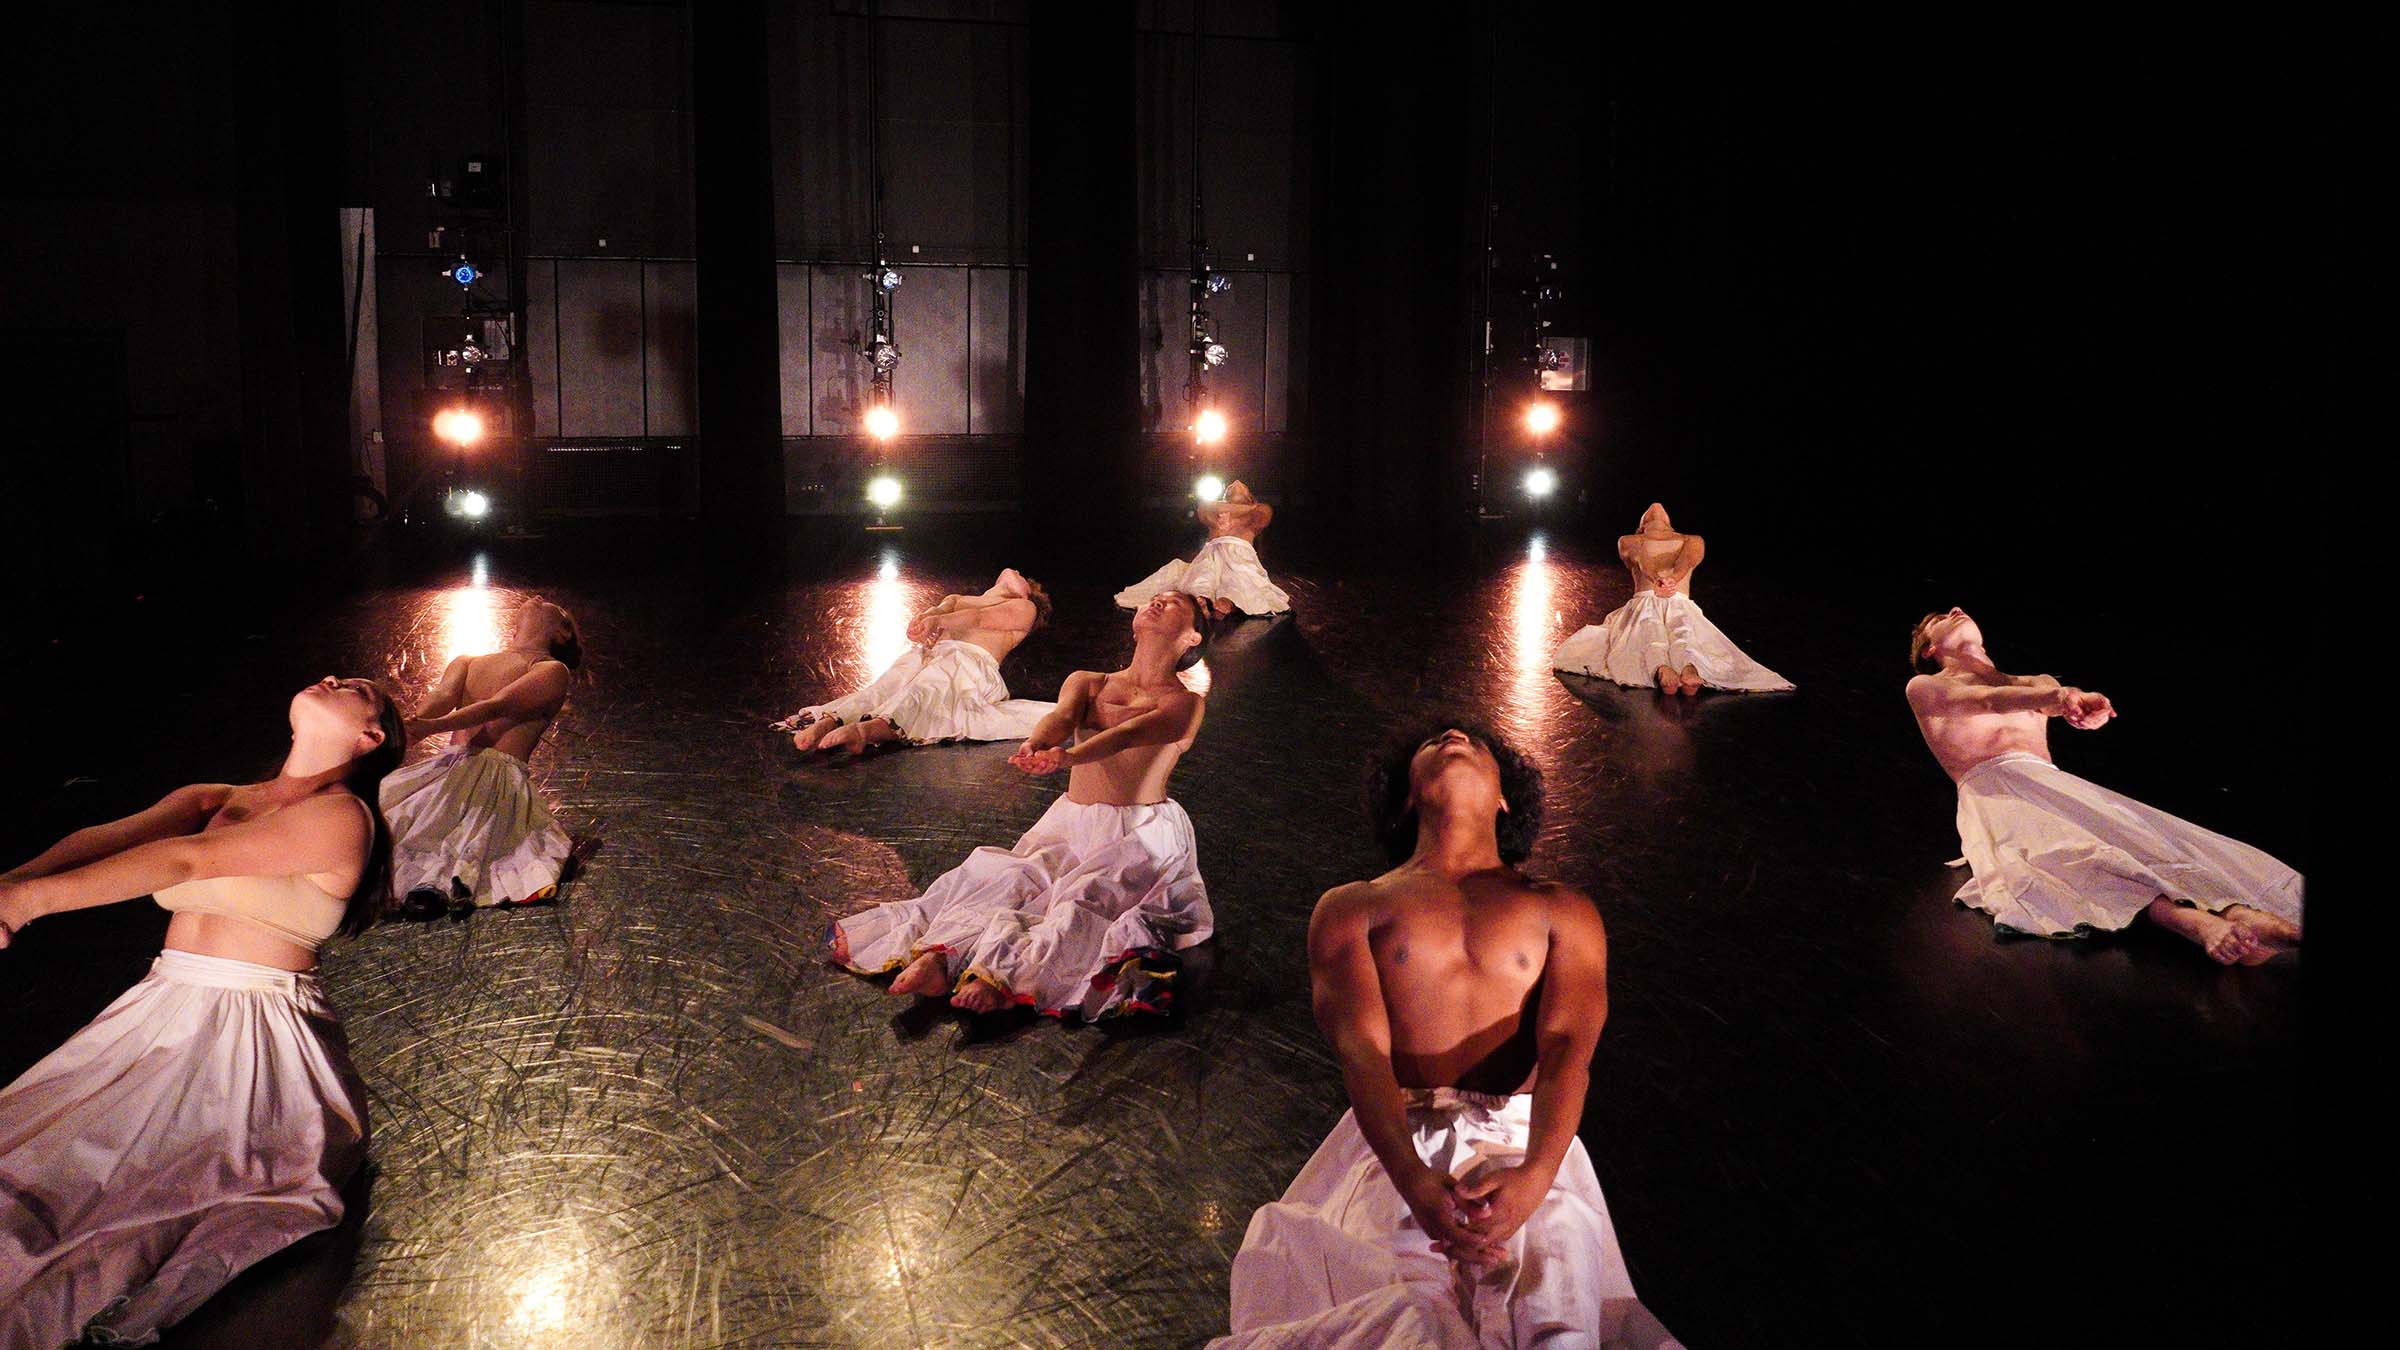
{"x": 459, "y": 426}
{"x": 1209, "y": 427}
{"x": 1542, "y": 418}
{"x": 882, "y": 422}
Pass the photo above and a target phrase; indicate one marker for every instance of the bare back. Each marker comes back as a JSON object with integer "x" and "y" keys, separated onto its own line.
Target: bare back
{"x": 1136, "y": 776}
{"x": 515, "y": 735}
{"x": 1009, "y": 622}
{"x": 1238, "y": 520}
{"x": 1460, "y": 965}
{"x": 1963, "y": 735}
{"x": 1646, "y": 555}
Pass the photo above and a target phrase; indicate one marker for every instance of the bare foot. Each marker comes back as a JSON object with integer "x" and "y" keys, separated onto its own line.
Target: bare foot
{"x": 1692, "y": 683}
{"x": 1668, "y": 679}
{"x": 2270, "y": 929}
{"x": 2227, "y": 943}
{"x": 859, "y": 737}
{"x": 807, "y": 737}
{"x": 925, "y": 976}
{"x": 978, "y": 996}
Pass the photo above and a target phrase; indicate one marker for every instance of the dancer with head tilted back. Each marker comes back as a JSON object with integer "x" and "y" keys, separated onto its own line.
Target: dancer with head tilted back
{"x": 1660, "y": 637}
{"x": 1225, "y": 574}
{"x": 945, "y": 688}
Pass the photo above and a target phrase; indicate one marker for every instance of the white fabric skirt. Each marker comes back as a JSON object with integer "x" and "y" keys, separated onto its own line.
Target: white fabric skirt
{"x": 1653, "y": 630}
{"x": 1082, "y": 917}
{"x": 954, "y": 694}
{"x": 2055, "y": 855}
{"x": 1224, "y": 567}
{"x": 202, "y": 1122}
{"x": 472, "y": 816}
{"x": 1339, "y": 1261}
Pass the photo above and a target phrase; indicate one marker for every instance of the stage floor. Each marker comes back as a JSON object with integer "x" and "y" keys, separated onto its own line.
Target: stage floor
{"x": 1829, "y": 1106}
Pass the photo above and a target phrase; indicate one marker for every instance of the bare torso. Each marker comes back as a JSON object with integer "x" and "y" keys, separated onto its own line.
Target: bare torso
{"x": 514, "y": 736}
{"x": 1461, "y": 969}
{"x": 1131, "y": 777}
{"x": 1244, "y": 521}
{"x": 1645, "y": 554}
{"x": 998, "y": 641}
{"x": 1962, "y": 736}
{"x": 230, "y": 938}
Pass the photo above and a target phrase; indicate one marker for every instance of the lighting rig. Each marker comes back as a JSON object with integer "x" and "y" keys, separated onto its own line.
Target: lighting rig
{"x": 1202, "y": 351}
{"x": 478, "y": 390}
{"x": 881, "y": 349}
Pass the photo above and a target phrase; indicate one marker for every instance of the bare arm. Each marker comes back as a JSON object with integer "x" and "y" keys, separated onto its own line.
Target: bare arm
{"x": 1177, "y": 717}
{"x": 321, "y": 834}
{"x": 539, "y": 690}
{"x": 1685, "y": 559}
{"x": 2082, "y": 709}
{"x": 1074, "y": 697}
{"x": 182, "y": 811}
{"x": 446, "y": 692}
{"x": 1012, "y": 615}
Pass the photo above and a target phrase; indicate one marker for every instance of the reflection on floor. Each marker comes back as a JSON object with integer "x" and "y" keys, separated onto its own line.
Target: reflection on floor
{"x": 1829, "y": 1106}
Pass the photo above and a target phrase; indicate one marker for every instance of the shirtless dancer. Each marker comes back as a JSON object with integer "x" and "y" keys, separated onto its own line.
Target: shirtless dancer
{"x": 467, "y": 826}
{"x": 1453, "y": 1205}
{"x": 1660, "y": 636}
{"x": 1084, "y": 914}
{"x": 2056, "y": 856}
{"x": 949, "y": 687}
{"x": 1226, "y": 571}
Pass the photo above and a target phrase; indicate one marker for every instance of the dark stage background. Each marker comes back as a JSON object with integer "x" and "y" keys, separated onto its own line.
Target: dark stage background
{"x": 2021, "y": 315}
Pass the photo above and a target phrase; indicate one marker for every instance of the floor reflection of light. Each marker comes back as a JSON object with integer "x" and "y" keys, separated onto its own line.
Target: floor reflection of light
{"x": 471, "y": 615}
{"x": 1533, "y": 634}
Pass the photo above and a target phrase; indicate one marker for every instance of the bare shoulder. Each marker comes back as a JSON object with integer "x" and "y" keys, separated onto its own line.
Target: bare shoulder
{"x": 1626, "y": 543}
{"x": 1928, "y": 690}
{"x": 1564, "y": 904}
{"x": 1344, "y": 914}
{"x": 1080, "y": 685}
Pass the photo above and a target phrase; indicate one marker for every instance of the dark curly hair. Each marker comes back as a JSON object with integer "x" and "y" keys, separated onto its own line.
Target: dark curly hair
{"x": 1395, "y": 822}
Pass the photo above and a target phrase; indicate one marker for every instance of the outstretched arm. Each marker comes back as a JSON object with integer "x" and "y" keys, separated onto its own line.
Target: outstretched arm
{"x": 2081, "y": 708}
{"x": 1346, "y": 992}
{"x": 1074, "y": 697}
{"x": 1176, "y": 718}
{"x": 320, "y": 834}
{"x": 1574, "y": 1004}
{"x": 539, "y": 690}
{"x": 182, "y": 811}
{"x": 447, "y": 692}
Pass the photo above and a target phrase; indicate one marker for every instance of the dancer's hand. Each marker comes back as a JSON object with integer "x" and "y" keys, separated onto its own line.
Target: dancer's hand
{"x": 1433, "y": 1198}
{"x": 2083, "y": 710}
{"x": 1039, "y": 762}
{"x": 1499, "y": 1200}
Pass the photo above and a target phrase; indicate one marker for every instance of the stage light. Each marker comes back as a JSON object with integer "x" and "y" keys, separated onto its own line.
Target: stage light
{"x": 883, "y": 492}
{"x": 464, "y": 274}
{"x": 467, "y": 504}
{"x": 1214, "y": 353}
{"x": 882, "y": 422}
{"x": 458, "y": 426}
{"x": 1209, "y": 488}
{"x": 888, "y": 279}
{"x": 885, "y": 356}
{"x": 1542, "y": 418}
{"x": 1540, "y": 481}
{"x": 1219, "y": 283}
{"x": 1209, "y": 426}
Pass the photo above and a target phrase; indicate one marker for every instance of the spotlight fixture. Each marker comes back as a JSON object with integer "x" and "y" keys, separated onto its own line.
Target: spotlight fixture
{"x": 464, "y": 273}
{"x": 467, "y": 504}
{"x": 1542, "y": 418}
{"x": 1209, "y": 427}
{"x": 1219, "y": 283}
{"x": 888, "y": 279}
{"x": 883, "y": 423}
{"x": 1214, "y": 353}
{"x": 1210, "y": 488}
{"x": 883, "y": 492}
{"x": 459, "y": 426}
{"x": 885, "y": 356}
{"x": 1540, "y": 481}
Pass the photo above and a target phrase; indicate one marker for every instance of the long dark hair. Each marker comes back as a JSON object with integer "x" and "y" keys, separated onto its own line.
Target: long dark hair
{"x": 365, "y": 781}
{"x": 1395, "y": 821}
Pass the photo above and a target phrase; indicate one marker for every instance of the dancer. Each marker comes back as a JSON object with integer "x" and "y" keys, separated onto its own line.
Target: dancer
{"x": 209, "y": 1117}
{"x": 1660, "y": 636}
{"x": 948, "y": 687}
{"x": 2056, "y": 856}
{"x": 468, "y": 828}
{"x": 1453, "y": 1204}
{"x": 1226, "y": 572}
{"x": 1085, "y": 913}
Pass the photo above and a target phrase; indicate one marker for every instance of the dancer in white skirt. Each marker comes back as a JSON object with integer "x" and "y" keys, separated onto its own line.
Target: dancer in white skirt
{"x": 1226, "y": 572}
{"x": 946, "y": 688}
{"x": 1083, "y": 916}
{"x": 209, "y": 1117}
{"x": 1453, "y": 1205}
{"x": 1660, "y": 636}
{"x": 467, "y": 826}
{"x": 2056, "y": 856}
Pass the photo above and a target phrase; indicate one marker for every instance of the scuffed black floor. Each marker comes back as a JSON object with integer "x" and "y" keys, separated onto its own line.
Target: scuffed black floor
{"x": 1829, "y": 1107}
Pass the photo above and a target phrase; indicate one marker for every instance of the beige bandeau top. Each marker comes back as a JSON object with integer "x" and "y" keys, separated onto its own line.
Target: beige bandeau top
{"x": 293, "y": 907}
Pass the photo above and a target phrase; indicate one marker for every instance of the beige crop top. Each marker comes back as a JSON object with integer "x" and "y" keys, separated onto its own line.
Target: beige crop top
{"x": 293, "y": 907}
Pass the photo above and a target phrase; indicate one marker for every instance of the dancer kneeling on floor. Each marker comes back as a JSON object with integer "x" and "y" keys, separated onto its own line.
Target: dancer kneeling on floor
{"x": 1225, "y": 574}
{"x": 467, "y": 826}
{"x": 2056, "y": 856}
{"x": 1660, "y": 636}
{"x": 1085, "y": 914}
{"x": 1453, "y": 1204}
{"x": 948, "y": 687}
{"x": 209, "y": 1117}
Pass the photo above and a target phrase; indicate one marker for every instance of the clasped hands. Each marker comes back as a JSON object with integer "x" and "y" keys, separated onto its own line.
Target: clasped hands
{"x": 2084, "y": 710}
{"x": 1039, "y": 760}
{"x": 1471, "y": 1221}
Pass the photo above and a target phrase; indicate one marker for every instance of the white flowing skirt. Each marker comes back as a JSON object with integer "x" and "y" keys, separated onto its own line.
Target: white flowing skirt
{"x": 2055, "y": 855}
{"x": 202, "y": 1122}
{"x": 472, "y": 816}
{"x": 1339, "y": 1262}
{"x": 1226, "y": 568}
{"x": 1083, "y": 916}
{"x": 954, "y": 694}
{"x": 1653, "y": 630}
